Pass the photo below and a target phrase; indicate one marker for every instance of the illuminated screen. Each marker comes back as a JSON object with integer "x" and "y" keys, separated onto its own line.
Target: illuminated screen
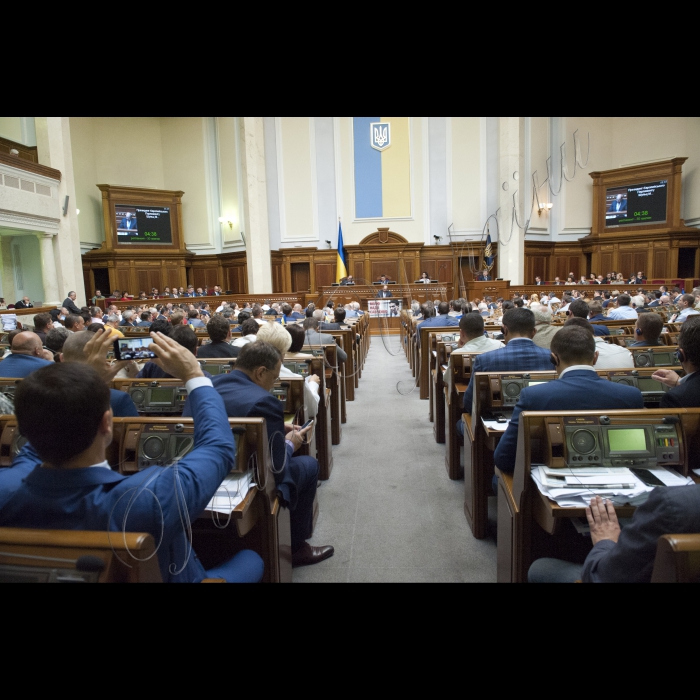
{"x": 161, "y": 395}
{"x": 143, "y": 225}
{"x": 649, "y": 384}
{"x": 627, "y": 440}
{"x": 535, "y": 383}
{"x": 636, "y": 204}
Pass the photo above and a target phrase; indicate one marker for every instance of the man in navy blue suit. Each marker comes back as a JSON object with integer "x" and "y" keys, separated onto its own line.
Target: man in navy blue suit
{"x": 577, "y": 388}
{"x": 26, "y": 357}
{"x": 247, "y": 394}
{"x": 520, "y": 354}
{"x": 685, "y": 392}
{"x": 67, "y": 484}
{"x": 128, "y": 222}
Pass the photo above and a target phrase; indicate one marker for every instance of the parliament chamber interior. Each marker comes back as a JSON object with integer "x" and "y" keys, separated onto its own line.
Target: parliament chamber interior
{"x": 349, "y": 349}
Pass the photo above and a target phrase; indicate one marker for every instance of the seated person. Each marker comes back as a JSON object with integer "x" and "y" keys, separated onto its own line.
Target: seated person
{"x": 424, "y": 278}
{"x": 249, "y": 333}
{"x": 42, "y": 325}
{"x": 247, "y": 394}
{"x": 594, "y": 312}
{"x": 312, "y": 336}
{"x": 543, "y": 325}
{"x": 194, "y": 320}
{"x": 281, "y": 338}
{"x": 623, "y": 311}
{"x": 626, "y": 555}
{"x": 442, "y": 318}
{"x": 686, "y": 305}
{"x": 648, "y": 330}
{"x": 297, "y": 313}
{"x": 146, "y": 320}
{"x": 74, "y": 350}
{"x": 578, "y": 387}
{"x": 24, "y": 303}
{"x": 384, "y": 293}
{"x": 27, "y": 355}
{"x": 219, "y": 331}
{"x": 183, "y": 335}
{"x": 339, "y": 316}
{"x": 69, "y": 485}
{"x": 55, "y": 339}
{"x": 684, "y": 391}
{"x": 520, "y": 354}
{"x": 609, "y": 356}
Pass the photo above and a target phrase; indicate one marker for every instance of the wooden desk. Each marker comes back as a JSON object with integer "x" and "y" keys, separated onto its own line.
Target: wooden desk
{"x": 529, "y": 525}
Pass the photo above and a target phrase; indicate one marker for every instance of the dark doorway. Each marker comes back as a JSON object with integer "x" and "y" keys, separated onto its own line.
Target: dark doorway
{"x": 686, "y": 262}
{"x": 101, "y": 281}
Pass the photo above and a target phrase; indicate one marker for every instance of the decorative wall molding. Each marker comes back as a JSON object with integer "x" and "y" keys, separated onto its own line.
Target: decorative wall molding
{"x": 30, "y": 222}
{"x": 575, "y": 232}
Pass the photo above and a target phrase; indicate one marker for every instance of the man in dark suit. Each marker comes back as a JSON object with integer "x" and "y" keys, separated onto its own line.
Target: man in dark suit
{"x": 577, "y": 388}
{"x": 24, "y": 303}
{"x": 483, "y": 276}
{"x": 384, "y": 293}
{"x": 26, "y": 357}
{"x": 519, "y": 355}
{"x": 69, "y": 304}
{"x": 339, "y": 316}
{"x": 538, "y": 281}
{"x": 67, "y": 484}
{"x": 128, "y": 222}
{"x": 685, "y": 392}
{"x": 247, "y": 394}
{"x": 579, "y": 309}
{"x": 619, "y": 204}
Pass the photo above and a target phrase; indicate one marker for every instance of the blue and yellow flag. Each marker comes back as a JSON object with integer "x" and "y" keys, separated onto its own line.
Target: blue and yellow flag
{"x": 342, "y": 268}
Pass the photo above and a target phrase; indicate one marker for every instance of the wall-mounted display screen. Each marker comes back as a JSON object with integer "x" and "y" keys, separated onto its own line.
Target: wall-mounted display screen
{"x": 140, "y": 225}
{"x": 636, "y": 204}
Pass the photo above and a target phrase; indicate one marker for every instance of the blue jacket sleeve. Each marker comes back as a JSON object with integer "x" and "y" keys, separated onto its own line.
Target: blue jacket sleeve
{"x": 193, "y": 481}
{"x": 469, "y": 393}
{"x": 504, "y": 456}
{"x": 122, "y": 404}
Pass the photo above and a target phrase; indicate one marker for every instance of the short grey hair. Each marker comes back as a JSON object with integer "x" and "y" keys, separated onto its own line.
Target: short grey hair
{"x": 542, "y": 316}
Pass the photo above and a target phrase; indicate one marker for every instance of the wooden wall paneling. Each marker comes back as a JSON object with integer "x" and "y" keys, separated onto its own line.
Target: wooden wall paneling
{"x": 277, "y": 278}
{"x": 411, "y": 275}
{"x": 89, "y": 282}
{"x": 359, "y": 271}
{"x": 301, "y": 277}
{"x": 444, "y": 271}
{"x": 141, "y": 282}
{"x": 659, "y": 264}
{"x": 429, "y": 266}
{"x": 625, "y": 262}
{"x": 325, "y": 274}
{"x": 387, "y": 267}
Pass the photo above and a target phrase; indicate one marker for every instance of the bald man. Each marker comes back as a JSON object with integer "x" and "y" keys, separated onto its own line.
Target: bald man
{"x": 27, "y": 356}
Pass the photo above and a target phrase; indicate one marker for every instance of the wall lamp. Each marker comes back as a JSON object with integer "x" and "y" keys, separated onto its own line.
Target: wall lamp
{"x": 544, "y": 207}
{"x": 224, "y": 220}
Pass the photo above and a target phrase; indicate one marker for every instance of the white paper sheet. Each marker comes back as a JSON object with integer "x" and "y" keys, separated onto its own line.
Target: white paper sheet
{"x": 231, "y": 493}
{"x": 495, "y": 425}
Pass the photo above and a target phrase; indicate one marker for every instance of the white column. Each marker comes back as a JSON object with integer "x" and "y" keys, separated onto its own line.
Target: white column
{"x": 54, "y": 149}
{"x": 255, "y": 221}
{"x": 48, "y": 270}
{"x": 511, "y": 244}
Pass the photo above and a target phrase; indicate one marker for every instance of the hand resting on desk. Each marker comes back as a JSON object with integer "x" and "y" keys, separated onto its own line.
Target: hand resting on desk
{"x": 602, "y": 520}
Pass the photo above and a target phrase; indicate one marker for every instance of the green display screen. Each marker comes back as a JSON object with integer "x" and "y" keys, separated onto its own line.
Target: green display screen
{"x": 162, "y": 395}
{"x": 662, "y": 358}
{"x": 649, "y": 384}
{"x": 627, "y": 440}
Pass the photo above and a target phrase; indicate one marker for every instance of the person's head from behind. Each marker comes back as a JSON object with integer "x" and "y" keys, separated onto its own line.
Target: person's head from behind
{"x": 75, "y": 323}
{"x": 518, "y": 323}
{"x": 162, "y": 326}
{"x": 298, "y": 338}
{"x": 250, "y": 327}
{"x": 219, "y": 329}
{"x": 578, "y": 309}
{"x": 319, "y": 315}
{"x": 443, "y": 308}
{"x": 261, "y": 361}
{"x": 689, "y": 344}
{"x": 55, "y": 339}
{"x": 63, "y": 400}
{"x": 507, "y": 306}
{"x": 276, "y": 335}
{"x": 310, "y": 324}
{"x": 471, "y": 326}
{"x": 543, "y": 315}
{"x": 574, "y": 344}
{"x": 649, "y": 327}
{"x": 26, "y": 343}
{"x": 185, "y": 336}
{"x": 286, "y": 309}
{"x": 257, "y": 311}
{"x": 624, "y": 300}
{"x": 339, "y": 315}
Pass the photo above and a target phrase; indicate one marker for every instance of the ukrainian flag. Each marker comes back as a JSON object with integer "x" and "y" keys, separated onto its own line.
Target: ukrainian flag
{"x": 382, "y": 178}
{"x": 342, "y": 267}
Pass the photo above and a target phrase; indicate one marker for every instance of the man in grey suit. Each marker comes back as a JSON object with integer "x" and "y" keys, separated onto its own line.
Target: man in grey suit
{"x": 313, "y": 337}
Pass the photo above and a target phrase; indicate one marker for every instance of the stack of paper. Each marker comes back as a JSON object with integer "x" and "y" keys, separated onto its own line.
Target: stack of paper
{"x": 574, "y": 488}
{"x": 231, "y": 493}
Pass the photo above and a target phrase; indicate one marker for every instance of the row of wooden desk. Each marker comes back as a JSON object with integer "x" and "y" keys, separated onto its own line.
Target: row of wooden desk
{"x": 258, "y": 522}
{"x": 444, "y": 377}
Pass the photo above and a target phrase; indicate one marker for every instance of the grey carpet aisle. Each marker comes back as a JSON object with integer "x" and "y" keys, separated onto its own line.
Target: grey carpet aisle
{"x": 389, "y": 509}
